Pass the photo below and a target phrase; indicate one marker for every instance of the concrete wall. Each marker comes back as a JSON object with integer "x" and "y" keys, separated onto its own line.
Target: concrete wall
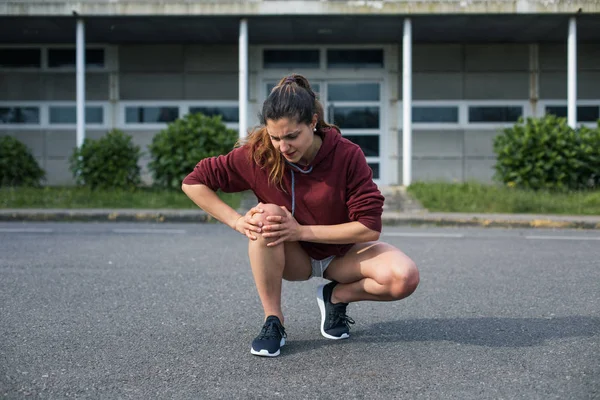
{"x": 475, "y": 72}
{"x": 452, "y": 72}
{"x": 472, "y": 72}
{"x": 57, "y": 86}
{"x": 452, "y": 155}
{"x": 143, "y": 73}
{"x": 176, "y": 72}
{"x": 553, "y": 71}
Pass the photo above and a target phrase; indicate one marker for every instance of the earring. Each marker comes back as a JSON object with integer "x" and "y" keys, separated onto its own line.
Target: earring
{"x": 314, "y": 129}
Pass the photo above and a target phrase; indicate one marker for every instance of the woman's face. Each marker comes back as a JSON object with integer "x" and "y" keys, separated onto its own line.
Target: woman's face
{"x": 295, "y": 141}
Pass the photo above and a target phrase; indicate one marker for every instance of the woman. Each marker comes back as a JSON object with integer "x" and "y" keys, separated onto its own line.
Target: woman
{"x": 319, "y": 213}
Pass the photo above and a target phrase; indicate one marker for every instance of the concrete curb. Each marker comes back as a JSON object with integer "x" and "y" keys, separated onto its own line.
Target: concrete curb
{"x": 95, "y": 215}
{"x": 491, "y": 221}
{"x": 390, "y": 218}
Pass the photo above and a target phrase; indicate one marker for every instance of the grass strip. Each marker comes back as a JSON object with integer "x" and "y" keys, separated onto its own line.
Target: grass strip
{"x": 82, "y": 197}
{"x": 480, "y": 198}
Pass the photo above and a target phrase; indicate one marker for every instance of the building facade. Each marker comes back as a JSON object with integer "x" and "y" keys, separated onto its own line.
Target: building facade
{"x": 423, "y": 87}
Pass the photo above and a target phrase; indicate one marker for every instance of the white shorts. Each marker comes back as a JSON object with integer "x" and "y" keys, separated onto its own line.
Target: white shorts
{"x": 319, "y": 266}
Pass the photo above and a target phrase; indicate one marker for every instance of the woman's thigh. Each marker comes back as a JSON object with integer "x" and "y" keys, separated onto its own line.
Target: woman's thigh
{"x": 377, "y": 260}
{"x": 297, "y": 263}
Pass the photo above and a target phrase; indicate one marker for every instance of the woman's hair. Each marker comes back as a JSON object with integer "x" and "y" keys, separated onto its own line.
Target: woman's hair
{"x": 292, "y": 98}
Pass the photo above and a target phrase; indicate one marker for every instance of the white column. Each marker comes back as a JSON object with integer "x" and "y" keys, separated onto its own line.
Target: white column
{"x": 243, "y": 78}
{"x": 534, "y": 78}
{"x": 407, "y": 103}
{"x": 572, "y": 74}
{"x": 80, "y": 65}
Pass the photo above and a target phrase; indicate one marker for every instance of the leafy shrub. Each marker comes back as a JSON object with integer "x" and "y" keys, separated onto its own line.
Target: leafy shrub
{"x": 18, "y": 167}
{"x": 109, "y": 162}
{"x": 177, "y": 149}
{"x": 546, "y": 153}
{"x": 589, "y": 155}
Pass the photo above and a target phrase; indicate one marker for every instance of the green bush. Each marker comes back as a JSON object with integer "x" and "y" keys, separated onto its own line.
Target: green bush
{"x": 176, "y": 150}
{"x": 18, "y": 167}
{"x": 109, "y": 162}
{"x": 547, "y": 154}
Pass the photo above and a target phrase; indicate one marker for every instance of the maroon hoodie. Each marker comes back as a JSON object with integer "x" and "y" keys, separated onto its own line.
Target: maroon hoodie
{"x": 337, "y": 187}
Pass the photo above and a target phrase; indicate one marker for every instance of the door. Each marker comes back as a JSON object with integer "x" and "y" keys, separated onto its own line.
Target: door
{"x": 356, "y": 108}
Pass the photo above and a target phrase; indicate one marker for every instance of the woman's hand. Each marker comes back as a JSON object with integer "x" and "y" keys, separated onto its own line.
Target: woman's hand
{"x": 282, "y": 229}
{"x": 246, "y": 225}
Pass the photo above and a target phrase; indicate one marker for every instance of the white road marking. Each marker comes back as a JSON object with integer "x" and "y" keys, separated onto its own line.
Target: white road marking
{"x": 173, "y": 231}
{"x": 562, "y": 238}
{"x": 431, "y": 235}
{"x": 26, "y": 230}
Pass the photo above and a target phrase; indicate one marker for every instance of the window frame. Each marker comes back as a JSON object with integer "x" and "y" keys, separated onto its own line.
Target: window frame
{"x": 109, "y": 57}
{"x": 463, "y": 114}
{"x": 123, "y": 105}
{"x": 74, "y": 48}
{"x": 22, "y": 69}
{"x": 42, "y": 115}
{"x": 495, "y": 103}
{"x": 183, "y": 108}
{"x": 322, "y": 73}
{"x": 298, "y": 48}
{"x": 216, "y": 103}
{"x": 105, "y": 114}
{"x": 44, "y": 107}
{"x": 349, "y": 48}
{"x": 542, "y": 104}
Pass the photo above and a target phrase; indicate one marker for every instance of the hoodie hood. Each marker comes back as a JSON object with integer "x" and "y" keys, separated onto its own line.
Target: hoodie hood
{"x": 331, "y": 137}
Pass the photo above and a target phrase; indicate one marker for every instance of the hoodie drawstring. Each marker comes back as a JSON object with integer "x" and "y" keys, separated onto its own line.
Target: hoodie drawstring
{"x": 294, "y": 182}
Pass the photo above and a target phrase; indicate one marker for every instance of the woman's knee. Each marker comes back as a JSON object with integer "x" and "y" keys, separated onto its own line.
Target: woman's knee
{"x": 268, "y": 210}
{"x": 401, "y": 277}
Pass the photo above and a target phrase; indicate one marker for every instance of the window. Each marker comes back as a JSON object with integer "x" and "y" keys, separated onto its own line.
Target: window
{"x": 150, "y": 115}
{"x": 584, "y": 113}
{"x": 20, "y": 58}
{"x": 341, "y": 58}
{"x": 19, "y": 115}
{"x": 358, "y": 117}
{"x": 353, "y": 92}
{"x": 435, "y": 114}
{"x": 228, "y": 114}
{"x": 60, "y": 58}
{"x": 368, "y": 143}
{"x": 291, "y": 59}
{"x": 375, "y": 168}
{"x": 68, "y": 115}
{"x": 496, "y": 114}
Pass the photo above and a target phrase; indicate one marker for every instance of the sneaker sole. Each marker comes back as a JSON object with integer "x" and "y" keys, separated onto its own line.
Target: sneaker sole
{"x": 265, "y": 353}
{"x": 321, "y": 302}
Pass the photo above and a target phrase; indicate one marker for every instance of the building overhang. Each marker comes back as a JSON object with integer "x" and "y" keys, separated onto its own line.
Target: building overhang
{"x": 348, "y": 29}
{"x": 292, "y": 7}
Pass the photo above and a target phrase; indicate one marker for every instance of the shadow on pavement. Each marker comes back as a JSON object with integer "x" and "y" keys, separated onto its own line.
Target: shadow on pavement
{"x": 478, "y": 331}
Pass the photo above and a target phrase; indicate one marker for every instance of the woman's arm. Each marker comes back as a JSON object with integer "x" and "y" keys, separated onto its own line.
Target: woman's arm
{"x": 205, "y": 198}
{"x": 288, "y": 229}
{"x": 350, "y": 232}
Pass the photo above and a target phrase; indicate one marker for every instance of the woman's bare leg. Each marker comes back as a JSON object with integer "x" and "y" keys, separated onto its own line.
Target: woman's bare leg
{"x": 272, "y": 264}
{"x": 373, "y": 271}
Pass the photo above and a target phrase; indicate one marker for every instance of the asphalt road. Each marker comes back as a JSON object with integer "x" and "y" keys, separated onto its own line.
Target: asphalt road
{"x": 144, "y": 311}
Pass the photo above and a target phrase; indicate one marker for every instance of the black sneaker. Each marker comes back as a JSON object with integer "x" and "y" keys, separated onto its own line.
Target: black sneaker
{"x": 335, "y": 324}
{"x": 271, "y": 338}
